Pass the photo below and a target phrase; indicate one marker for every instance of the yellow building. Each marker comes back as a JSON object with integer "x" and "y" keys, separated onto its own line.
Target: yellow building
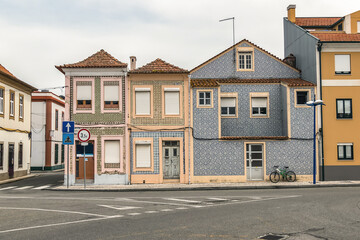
{"x": 15, "y": 119}
{"x": 327, "y": 51}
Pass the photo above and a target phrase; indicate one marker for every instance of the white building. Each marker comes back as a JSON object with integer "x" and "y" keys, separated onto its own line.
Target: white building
{"x": 15, "y": 119}
{"x": 47, "y": 115}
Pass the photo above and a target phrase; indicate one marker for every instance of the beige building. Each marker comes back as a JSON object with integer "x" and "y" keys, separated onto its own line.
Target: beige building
{"x": 15, "y": 128}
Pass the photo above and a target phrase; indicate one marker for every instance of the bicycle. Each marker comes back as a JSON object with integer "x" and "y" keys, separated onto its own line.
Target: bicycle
{"x": 290, "y": 176}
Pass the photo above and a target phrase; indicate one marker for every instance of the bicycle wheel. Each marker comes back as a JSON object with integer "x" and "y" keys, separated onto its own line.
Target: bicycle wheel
{"x": 274, "y": 177}
{"x": 290, "y": 176}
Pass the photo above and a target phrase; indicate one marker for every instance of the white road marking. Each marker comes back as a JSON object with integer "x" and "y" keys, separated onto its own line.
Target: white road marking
{"x": 162, "y": 203}
{"x": 151, "y": 211}
{"x": 42, "y": 187}
{"x": 7, "y": 188}
{"x": 59, "y": 224}
{"x": 218, "y": 199}
{"x": 235, "y": 200}
{"x": 181, "y": 208}
{"x": 119, "y": 208}
{"x": 167, "y": 210}
{"x": 182, "y": 200}
{"x": 53, "y": 210}
{"x": 134, "y": 214}
{"x": 23, "y": 188}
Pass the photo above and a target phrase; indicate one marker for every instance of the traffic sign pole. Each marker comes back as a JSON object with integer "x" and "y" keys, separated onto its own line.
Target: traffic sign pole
{"x": 84, "y": 137}
{"x": 68, "y": 167}
{"x": 68, "y": 139}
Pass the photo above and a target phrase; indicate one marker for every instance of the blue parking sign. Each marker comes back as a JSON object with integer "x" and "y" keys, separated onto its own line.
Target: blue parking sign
{"x": 68, "y": 127}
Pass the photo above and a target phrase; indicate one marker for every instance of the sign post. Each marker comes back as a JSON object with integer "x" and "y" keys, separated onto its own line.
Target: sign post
{"x": 84, "y": 137}
{"x": 68, "y": 139}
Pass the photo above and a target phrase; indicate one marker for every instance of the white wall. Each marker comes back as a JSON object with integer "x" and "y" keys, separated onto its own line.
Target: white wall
{"x": 38, "y": 122}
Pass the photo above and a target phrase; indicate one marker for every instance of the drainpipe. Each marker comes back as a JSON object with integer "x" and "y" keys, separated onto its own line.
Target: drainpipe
{"x": 319, "y": 48}
{"x": 189, "y": 125}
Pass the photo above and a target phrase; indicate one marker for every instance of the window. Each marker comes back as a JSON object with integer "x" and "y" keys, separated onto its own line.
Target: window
{"x": 259, "y": 106}
{"x": 345, "y": 151}
{"x": 245, "y": 60}
{"x": 343, "y": 108}
{"x": 20, "y": 157}
{"x": 83, "y": 95}
{"x": 340, "y": 27}
{"x": 142, "y": 101}
{"x": 143, "y": 155}
{"x": 62, "y": 153}
{"x": 12, "y": 104}
{"x": 112, "y": 151}
{"x": 56, "y": 119}
{"x": 358, "y": 26}
{"x": 301, "y": 97}
{"x": 111, "y": 96}
{"x": 1, "y": 156}
{"x": 204, "y": 99}
{"x": 172, "y": 101}
{"x": 342, "y": 64}
{"x": 56, "y": 157}
{"x": 228, "y": 106}
{"x": 21, "y": 107}
{"x": 2, "y": 91}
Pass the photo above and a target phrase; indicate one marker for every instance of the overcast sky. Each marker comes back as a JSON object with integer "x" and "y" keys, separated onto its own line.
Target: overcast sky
{"x": 36, "y": 35}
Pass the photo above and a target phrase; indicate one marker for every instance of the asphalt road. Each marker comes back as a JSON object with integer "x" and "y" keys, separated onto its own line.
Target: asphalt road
{"x": 320, "y": 213}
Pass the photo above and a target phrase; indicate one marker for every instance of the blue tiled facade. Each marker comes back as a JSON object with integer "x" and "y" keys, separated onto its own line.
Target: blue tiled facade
{"x": 156, "y": 148}
{"x": 215, "y": 157}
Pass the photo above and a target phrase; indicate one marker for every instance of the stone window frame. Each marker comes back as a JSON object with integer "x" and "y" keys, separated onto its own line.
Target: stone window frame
{"x": 140, "y": 141}
{"x": 134, "y": 115}
{"x": 77, "y": 110}
{"x": 198, "y": 105}
{"x": 343, "y": 145}
{"x": 102, "y": 85}
{"x": 245, "y": 51}
{"x": 119, "y": 138}
{"x": 295, "y": 98}
{"x": 2, "y": 114}
{"x": 260, "y": 95}
{"x": 163, "y": 90}
{"x": 11, "y": 116}
{"x": 21, "y": 107}
{"x": 230, "y": 95}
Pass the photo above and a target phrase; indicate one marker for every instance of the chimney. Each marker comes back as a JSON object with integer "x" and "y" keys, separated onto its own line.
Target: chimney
{"x": 291, "y": 13}
{"x": 132, "y": 62}
{"x": 290, "y": 60}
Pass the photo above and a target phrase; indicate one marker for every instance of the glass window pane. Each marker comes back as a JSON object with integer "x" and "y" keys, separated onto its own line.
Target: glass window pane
{"x": 347, "y": 106}
{"x": 232, "y": 110}
{"x": 201, "y": 95}
{"x": 256, "y": 163}
{"x": 256, "y": 155}
{"x": 201, "y": 101}
{"x": 262, "y": 110}
{"x": 207, "y": 101}
{"x": 348, "y": 151}
{"x": 256, "y": 148}
{"x": 175, "y": 152}
{"x": 340, "y": 106}
{"x": 340, "y": 151}
{"x": 302, "y": 97}
{"x": 166, "y": 152}
{"x": 255, "y": 110}
{"x": 224, "y": 110}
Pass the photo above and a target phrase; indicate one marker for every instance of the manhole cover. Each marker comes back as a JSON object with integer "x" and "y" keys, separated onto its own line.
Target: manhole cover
{"x": 271, "y": 236}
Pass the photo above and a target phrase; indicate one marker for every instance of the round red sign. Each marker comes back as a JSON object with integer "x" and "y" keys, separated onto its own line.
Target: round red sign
{"x": 83, "y": 135}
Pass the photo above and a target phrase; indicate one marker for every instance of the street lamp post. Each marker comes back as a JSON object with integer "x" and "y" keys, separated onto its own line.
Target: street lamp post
{"x": 314, "y": 104}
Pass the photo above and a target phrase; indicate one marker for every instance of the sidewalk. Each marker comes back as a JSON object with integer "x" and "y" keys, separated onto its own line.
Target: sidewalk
{"x": 205, "y": 186}
{"x": 18, "y": 178}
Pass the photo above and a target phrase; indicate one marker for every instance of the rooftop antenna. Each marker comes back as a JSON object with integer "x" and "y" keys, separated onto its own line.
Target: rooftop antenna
{"x": 233, "y": 20}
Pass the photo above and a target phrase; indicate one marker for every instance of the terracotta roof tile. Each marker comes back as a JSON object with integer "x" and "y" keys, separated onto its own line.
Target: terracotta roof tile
{"x": 159, "y": 66}
{"x": 101, "y": 59}
{"x": 316, "y": 21}
{"x": 291, "y": 82}
{"x": 337, "y": 37}
{"x": 204, "y": 83}
{"x": 4, "y": 70}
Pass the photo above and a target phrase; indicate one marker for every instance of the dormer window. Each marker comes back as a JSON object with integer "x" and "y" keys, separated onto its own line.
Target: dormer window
{"x": 245, "y": 59}
{"x": 340, "y": 27}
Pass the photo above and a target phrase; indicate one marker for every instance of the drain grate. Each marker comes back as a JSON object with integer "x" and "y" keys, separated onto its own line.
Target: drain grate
{"x": 271, "y": 236}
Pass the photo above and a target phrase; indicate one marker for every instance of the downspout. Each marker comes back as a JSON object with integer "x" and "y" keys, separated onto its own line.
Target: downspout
{"x": 189, "y": 125}
{"x": 319, "y": 48}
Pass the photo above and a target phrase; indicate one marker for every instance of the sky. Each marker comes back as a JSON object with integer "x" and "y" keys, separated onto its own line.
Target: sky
{"x": 36, "y": 35}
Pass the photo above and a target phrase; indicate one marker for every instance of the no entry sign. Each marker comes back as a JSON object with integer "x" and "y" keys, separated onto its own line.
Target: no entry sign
{"x": 83, "y": 135}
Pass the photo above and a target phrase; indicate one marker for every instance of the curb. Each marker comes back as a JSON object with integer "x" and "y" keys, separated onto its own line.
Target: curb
{"x": 205, "y": 188}
{"x": 18, "y": 179}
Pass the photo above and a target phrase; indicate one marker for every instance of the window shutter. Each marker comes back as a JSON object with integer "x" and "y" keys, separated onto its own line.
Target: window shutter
{"x": 83, "y": 92}
{"x": 259, "y": 102}
{"x": 111, "y": 93}
{"x": 228, "y": 102}
{"x": 112, "y": 151}
{"x": 340, "y": 107}
{"x": 172, "y": 102}
{"x": 142, "y": 102}
{"x": 342, "y": 63}
{"x": 143, "y": 158}
{"x": 347, "y": 106}
{"x": 341, "y": 151}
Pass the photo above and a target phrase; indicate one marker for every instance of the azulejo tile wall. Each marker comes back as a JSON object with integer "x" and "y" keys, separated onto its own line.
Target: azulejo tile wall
{"x": 265, "y": 67}
{"x": 98, "y": 117}
{"x": 156, "y": 148}
{"x": 246, "y": 126}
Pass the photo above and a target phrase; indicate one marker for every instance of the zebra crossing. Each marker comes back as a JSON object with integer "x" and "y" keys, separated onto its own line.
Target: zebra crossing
{"x": 19, "y": 188}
